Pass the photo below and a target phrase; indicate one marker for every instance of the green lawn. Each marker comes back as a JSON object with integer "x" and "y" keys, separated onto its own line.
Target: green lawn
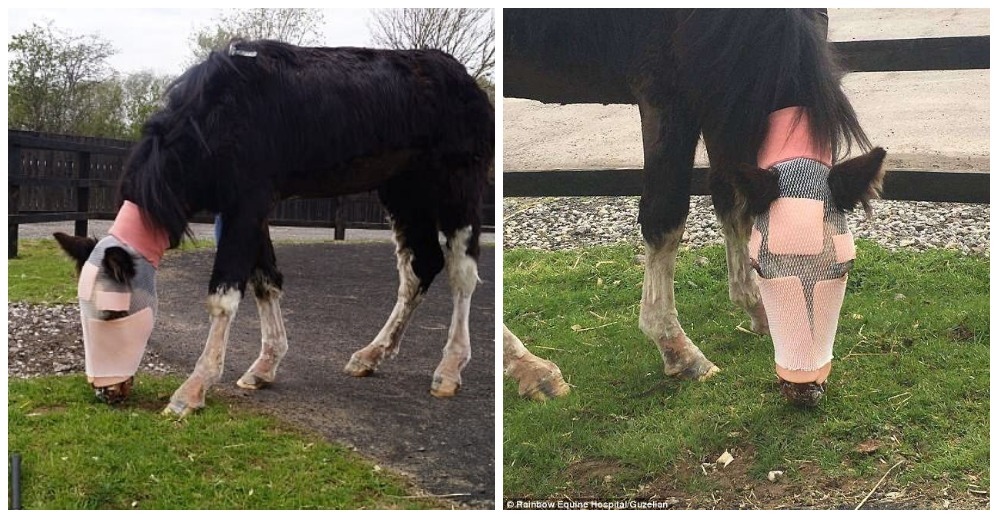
{"x": 81, "y": 454}
{"x": 910, "y": 379}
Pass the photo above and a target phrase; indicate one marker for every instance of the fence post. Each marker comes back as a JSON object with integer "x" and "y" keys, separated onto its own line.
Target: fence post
{"x": 13, "y": 197}
{"x": 339, "y": 226}
{"x": 83, "y": 195}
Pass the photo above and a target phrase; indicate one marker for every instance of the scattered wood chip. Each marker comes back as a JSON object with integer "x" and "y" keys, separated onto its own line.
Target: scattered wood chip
{"x": 724, "y": 459}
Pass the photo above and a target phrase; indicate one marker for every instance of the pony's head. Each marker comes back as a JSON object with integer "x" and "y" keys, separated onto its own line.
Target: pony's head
{"x": 117, "y": 293}
{"x": 800, "y": 244}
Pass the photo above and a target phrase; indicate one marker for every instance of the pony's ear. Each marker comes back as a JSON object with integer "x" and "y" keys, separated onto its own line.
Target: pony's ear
{"x": 118, "y": 264}
{"x": 78, "y": 248}
{"x": 858, "y": 180}
{"x": 757, "y": 186}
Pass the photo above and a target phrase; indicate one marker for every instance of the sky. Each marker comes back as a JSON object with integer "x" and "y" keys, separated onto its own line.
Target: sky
{"x": 160, "y": 39}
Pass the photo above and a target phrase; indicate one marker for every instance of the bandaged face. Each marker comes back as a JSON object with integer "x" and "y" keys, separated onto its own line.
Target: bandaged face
{"x": 117, "y": 311}
{"x": 802, "y": 251}
{"x": 117, "y": 293}
{"x": 800, "y": 244}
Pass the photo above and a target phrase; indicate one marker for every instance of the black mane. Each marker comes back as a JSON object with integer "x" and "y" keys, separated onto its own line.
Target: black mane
{"x": 744, "y": 64}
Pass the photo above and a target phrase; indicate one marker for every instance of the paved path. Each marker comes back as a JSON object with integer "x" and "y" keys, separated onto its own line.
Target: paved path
{"x": 337, "y": 296}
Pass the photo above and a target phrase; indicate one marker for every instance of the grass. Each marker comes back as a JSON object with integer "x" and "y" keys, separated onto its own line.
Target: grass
{"x": 80, "y": 454}
{"x": 910, "y": 377}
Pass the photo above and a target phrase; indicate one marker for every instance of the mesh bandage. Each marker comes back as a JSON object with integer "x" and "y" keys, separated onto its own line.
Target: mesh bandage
{"x": 801, "y": 247}
{"x": 114, "y": 347}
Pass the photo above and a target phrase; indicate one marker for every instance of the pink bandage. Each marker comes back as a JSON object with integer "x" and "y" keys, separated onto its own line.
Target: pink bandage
{"x": 843, "y": 246}
{"x": 112, "y": 301}
{"x": 792, "y": 245}
{"x": 130, "y": 228}
{"x": 88, "y": 278}
{"x": 114, "y": 348}
{"x": 796, "y": 227}
{"x": 788, "y": 138}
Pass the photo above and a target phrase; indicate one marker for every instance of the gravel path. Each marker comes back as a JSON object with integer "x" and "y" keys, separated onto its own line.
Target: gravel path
{"x": 574, "y": 222}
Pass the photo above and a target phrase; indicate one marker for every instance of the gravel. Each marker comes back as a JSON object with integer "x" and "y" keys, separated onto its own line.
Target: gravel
{"x": 574, "y": 222}
{"x": 46, "y": 339}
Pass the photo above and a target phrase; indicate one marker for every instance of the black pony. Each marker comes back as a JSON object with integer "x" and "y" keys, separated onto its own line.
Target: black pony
{"x": 723, "y": 75}
{"x": 262, "y": 121}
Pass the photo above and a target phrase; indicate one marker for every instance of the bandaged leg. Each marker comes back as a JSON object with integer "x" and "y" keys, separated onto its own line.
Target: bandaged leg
{"x": 658, "y": 313}
{"x": 408, "y": 298}
{"x": 190, "y": 396}
{"x": 273, "y": 339}
{"x": 538, "y": 379}
{"x": 463, "y": 275}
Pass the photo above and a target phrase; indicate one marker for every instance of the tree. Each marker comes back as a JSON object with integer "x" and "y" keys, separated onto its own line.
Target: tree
{"x": 466, "y": 34}
{"x": 142, "y": 94}
{"x": 52, "y": 77}
{"x": 296, "y": 26}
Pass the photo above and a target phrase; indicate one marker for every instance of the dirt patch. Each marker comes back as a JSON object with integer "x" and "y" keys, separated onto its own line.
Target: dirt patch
{"x": 803, "y": 485}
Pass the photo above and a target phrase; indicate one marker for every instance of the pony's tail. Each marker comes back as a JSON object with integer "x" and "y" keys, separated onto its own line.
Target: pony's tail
{"x": 741, "y": 64}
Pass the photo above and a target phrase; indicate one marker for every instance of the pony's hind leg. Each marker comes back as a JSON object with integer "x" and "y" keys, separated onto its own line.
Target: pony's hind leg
{"x": 461, "y": 256}
{"x": 669, "y": 136}
{"x": 267, "y": 281}
{"x": 418, "y": 260}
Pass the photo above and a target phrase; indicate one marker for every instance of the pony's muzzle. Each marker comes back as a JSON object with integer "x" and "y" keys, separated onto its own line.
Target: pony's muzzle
{"x": 803, "y": 338}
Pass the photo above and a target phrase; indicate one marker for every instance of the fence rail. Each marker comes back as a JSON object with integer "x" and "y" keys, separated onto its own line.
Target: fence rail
{"x": 916, "y": 54}
{"x": 61, "y": 178}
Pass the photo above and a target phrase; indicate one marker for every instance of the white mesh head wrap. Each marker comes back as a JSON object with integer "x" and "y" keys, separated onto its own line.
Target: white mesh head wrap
{"x": 802, "y": 249}
{"x": 114, "y": 347}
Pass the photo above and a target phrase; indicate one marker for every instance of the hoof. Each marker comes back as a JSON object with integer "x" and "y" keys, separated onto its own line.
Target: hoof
{"x": 698, "y": 368}
{"x": 116, "y": 393}
{"x": 441, "y": 387}
{"x": 178, "y": 410}
{"x": 682, "y": 359}
{"x": 358, "y": 368}
{"x": 547, "y": 388}
{"x": 802, "y": 394}
{"x": 252, "y": 382}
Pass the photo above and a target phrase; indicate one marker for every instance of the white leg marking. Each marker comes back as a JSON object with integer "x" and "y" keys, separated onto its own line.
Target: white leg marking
{"x": 658, "y": 313}
{"x": 742, "y": 278}
{"x": 463, "y": 275}
{"x": 273, "y": 341}
{"x": 190, "y": 396}
{"x": 386, "y": 342}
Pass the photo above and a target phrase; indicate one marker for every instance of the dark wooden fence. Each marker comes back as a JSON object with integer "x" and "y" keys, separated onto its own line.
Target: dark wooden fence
{"x": 62, "y": 178}
{"x": 918, "y": 54}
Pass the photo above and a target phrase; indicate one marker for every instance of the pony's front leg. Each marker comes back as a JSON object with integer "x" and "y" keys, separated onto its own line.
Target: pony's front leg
{"x": 273, "y": 340}
{"x": 236, "y": 256}
{"x": 742, "y": 279}
{"x": 538, "y": 379}
{"x": 267, "y": 282}
{"x": 669, "y": 137}
{"x": 222, "y": 306}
